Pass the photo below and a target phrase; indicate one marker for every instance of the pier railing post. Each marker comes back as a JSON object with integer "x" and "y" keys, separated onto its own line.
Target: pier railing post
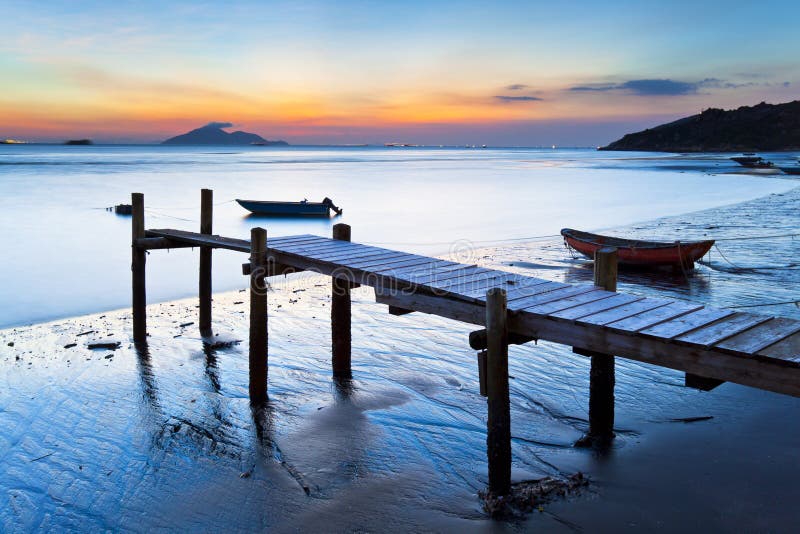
{"x": 602, "y": 376}
{"x": 138, "y": 261}
{"x": 340, "y": 316}
{"x": 498, "y": 438}
{"x": 258, "y": 316}
{"x": 206, "y": 221}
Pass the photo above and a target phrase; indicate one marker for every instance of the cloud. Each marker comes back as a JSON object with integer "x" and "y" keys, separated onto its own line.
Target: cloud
{"x": 516, "y": 87}
{"x": 219, "y": 125}
{"x": 515, "y": 99}
{"x": 647, "y": 87}
{"x": 665, "y": 86}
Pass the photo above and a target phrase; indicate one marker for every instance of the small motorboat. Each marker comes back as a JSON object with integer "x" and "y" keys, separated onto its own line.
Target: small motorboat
{"x": 304, "y": 208}
{"x": 639, "y": 253}
{"x": 753, "y": 162}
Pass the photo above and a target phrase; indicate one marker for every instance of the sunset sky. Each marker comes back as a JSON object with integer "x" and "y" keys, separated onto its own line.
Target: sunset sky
{"x": 500, "y": 73}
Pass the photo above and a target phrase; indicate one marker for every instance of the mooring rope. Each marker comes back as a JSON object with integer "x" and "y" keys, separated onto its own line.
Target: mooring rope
{"x": 795, "y": 302}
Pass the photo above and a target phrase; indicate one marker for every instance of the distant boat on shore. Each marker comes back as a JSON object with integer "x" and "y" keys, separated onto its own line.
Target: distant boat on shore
{"x": 639, "y": 253}
{"x": 303, "y": 208}
{"x": 753, "y": 162}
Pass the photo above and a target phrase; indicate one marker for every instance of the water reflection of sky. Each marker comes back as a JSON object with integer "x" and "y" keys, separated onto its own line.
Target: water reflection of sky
{"x": 65, "y": 255}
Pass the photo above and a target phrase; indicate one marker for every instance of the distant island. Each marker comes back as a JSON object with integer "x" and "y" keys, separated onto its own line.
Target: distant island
{"x": 763, "y": 127}
{"x": 78, "y": 142}
{"x": 213, "y": 133}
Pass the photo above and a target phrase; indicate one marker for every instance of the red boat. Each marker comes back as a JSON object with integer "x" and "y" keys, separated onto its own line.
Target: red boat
{"x": 641, "y": 253}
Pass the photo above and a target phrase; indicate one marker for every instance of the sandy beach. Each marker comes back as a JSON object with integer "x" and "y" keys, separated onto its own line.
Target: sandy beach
{"x": 134, "y": 440}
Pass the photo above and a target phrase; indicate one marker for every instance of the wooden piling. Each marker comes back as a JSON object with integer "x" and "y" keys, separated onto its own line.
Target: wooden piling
{"x": 601, "y": 378}
{"x": 340, "y": 316}
{"x": 138, "y": 261}
{"x": 206, "y": 220}
{"x": 258, "y": 316}
{"x": 498, "y": 438}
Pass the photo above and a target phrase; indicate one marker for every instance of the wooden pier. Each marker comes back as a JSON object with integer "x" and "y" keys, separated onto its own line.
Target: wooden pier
{"x": 710, "y": 345}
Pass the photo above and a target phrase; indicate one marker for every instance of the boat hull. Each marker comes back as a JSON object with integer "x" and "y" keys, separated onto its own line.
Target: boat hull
{"x": 639, "y": 253}
{"x": 286, "y": 209}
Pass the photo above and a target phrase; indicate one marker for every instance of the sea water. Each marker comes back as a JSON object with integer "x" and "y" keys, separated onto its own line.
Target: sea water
{"x": 63, "y": 254}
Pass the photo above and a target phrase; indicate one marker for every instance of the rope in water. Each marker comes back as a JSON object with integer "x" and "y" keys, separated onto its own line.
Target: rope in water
{"x": 795, "y": 302}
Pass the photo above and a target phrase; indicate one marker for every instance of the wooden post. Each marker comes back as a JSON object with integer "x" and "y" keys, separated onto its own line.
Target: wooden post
{"x": 498, "y": 438}
{"x": 138, "y": 260}
{"x": 206, "y": 218}
{"x": 601, "y": 378}
{"x": 340, "y": 315}
{"x": 258, "y": 316}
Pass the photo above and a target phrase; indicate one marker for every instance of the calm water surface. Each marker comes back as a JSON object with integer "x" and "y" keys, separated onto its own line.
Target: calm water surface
{"x": 64, "y": 255}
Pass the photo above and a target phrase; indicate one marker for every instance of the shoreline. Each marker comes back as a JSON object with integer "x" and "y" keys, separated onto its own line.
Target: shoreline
{"x": 96, "y": 436}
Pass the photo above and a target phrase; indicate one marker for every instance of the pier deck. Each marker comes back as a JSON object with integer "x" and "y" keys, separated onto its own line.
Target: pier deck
{"x": 745, "y": 348}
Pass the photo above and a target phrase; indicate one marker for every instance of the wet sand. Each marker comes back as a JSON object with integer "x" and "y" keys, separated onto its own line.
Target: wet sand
{"x": 165, "y": 438}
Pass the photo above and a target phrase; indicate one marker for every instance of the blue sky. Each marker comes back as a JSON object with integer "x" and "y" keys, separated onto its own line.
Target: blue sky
{"x": 526, "y": 73}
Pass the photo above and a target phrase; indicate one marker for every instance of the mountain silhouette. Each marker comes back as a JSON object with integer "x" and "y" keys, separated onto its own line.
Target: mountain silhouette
{"x": 213, "y": 133}
{"x": 763, "y": 127}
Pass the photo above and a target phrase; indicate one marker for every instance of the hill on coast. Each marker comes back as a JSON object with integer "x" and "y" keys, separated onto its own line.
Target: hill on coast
{"x": 763, "y": 127}
{"x": 213, "y": 133}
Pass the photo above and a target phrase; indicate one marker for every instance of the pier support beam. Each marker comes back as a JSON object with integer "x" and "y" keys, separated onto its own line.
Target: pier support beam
{"x": 602, "y": 375}
{"x": 206, "y": 218}
{"x": 340, "y": 316}
{"x": 498, "y": 438}
{"x": 138, "y": 261}
{"x": 258, "y": 316}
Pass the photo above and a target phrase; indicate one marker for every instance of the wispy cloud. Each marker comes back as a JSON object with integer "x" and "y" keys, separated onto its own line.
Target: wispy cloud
{"x": 666, "y": 86}
{"x": 516, "y": 87}
{"x": 516, "y": 98}
{"x": 646, "y": 87}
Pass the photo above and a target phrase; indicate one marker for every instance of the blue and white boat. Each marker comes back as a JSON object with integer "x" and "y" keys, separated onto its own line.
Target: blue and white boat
{"x": 304, "y": 208}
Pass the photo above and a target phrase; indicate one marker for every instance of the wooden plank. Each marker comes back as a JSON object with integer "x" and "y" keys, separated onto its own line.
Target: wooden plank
{"x": 355, "y": 255}
{"x": 549, "y": 296}
{"x": 504, "y": 280}
{"x": 762, "y": 336}
{"x": 370, "y": 261}
{"x": 316, "y": 249}
{"x": 786, "y": 349}
{"x": 723, "y": 329}
{"x": 311, "y": 243}
{"x": 583, "y": 310}
{"x": 440, "y": 277}
{"x": 297, "y": 239}
{"x": 569, "y": 302}
{"x": 400, "y": 261}
{"x": 159, "y": 243}
{"x": 287, "y": 244}
{"x": 531, "y": 287}
{"x": 625, "y": 311}
{"x": 655, "y": 316}
{"x": 240, "y": 245}
{"x": 522, "y": 288}
{"x": 421, "y": 273}
{"x": 686, "y": 323}
{"x": 479, "y": 284}
{"x": 465, "y": 280}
